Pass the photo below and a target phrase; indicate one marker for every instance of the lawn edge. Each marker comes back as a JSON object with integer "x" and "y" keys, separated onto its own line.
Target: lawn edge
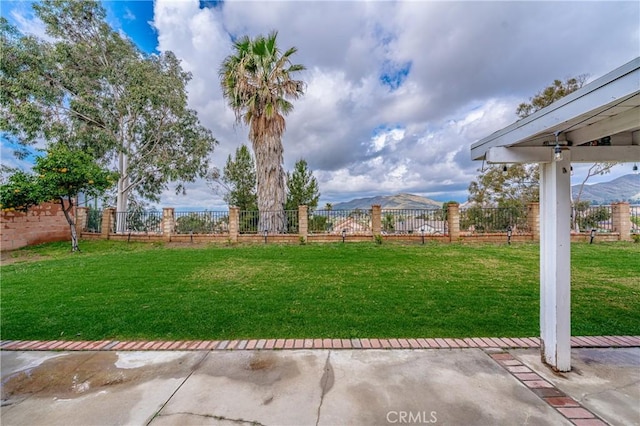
{"x": 288, "y": 344}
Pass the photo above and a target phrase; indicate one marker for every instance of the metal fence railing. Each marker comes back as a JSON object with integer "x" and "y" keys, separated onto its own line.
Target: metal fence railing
{"x": 634, "y": 218}
{"x": 138, "y": 221}
{"x": 207, "y": 222}
{"x": 254, "y": 222}
{"x": 94, "y": 221}
{"x": 414, "y": 221}
{"x": 352, "y": 222}
{"x": 494, "y": 219}
{"x": 248, "y": 221}
{"x": 355, "y": 222}
{"x": 592, "y": 217}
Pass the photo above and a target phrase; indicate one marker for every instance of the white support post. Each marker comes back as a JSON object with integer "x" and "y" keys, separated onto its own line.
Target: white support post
{"x": 555, "y": 262}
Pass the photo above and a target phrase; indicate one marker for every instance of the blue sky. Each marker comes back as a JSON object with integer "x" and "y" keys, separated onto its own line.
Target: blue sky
{"x": 135, "y": 19}
{"x": 396, "y": 91}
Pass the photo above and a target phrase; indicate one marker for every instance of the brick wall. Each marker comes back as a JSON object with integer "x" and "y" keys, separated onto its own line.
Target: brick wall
{"x": 47, "y": 223}
{"x": 41, "y": 224}
{"x": 455, "y": 234}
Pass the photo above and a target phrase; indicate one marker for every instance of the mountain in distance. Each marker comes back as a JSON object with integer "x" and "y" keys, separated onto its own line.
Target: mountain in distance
{"x": 398, "y": 201}
{"x": 624, "y": 188}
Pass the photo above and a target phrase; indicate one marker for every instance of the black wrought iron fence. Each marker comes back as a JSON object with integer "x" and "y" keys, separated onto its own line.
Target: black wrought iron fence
{"x": 494, "y": 219}
{"x": 320, "y": 221}
{"x": 206, "y": 222}
{"x": 293, "y": 221}
{"x": 356, "y": 221}
{"x": 592, "y": 217}
{"x": 414, "y": 221}
{"x": 634, "y": 212}
{"x": 249, "y": 222}
{"x": 94, "y": 221}
{"x": 139, "y": 221}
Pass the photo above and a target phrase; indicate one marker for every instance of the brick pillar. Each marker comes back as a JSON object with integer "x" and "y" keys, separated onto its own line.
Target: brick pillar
{"x": 108, "y": 220}
{"x": 168, "y": 222}
{"x": 81, "y": 219}
{"x": 303, "y": 221}
{"x": 533, "y": 220}
{"x": 453, "y": 221}
{"x": 234, "y": 220}
{"x": 621, "y": 220}
{"x": 376, "y": 219}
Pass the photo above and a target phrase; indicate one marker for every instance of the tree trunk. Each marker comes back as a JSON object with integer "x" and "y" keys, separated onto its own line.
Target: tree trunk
{"x": 574, "y": 218}
{"x": 122, "y": 193}
{"x": 574, "y": 202}
{"x": 72, "y": 223}
{"x": 595, "y": 169}
{"x": 270, "y": 182}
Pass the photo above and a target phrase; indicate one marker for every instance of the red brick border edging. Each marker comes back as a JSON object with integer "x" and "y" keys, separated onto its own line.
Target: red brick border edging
{"x": 575, "y": 412}
{"x": 287, "y": 344}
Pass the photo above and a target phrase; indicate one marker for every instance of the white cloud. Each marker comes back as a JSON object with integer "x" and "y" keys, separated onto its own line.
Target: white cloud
{"x": 10, "y": 160}
{"x": 387, "y": 139}
{"x": 28, "y": 23}
{"x": 469, "y": 64}
{"x": 129, "y": 15}
{"x": 460, "y": 69}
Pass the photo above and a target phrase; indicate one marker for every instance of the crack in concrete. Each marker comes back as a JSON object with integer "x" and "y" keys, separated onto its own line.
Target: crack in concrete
{"x": 587, "y": 395}
{"x": 326, "y": 383}
{"x": 195, "y": 368}
{"x": 213, "y": 416}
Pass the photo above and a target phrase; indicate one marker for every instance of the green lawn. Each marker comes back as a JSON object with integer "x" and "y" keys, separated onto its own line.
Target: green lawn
{"x": 115, "y": 290}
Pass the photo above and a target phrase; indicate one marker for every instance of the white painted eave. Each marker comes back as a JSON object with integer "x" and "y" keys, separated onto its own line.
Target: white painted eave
{"x": 608, "y": 106}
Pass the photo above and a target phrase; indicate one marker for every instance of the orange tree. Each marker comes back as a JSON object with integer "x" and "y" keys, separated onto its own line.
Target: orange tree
{"x": 58, "y": 176}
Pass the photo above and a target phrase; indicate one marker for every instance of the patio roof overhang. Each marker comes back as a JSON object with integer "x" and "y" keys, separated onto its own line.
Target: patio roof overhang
{"x": 599, "y": 122}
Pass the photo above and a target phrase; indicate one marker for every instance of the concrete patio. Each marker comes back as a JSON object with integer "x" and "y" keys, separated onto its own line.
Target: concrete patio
{"x": 319, "y": 387}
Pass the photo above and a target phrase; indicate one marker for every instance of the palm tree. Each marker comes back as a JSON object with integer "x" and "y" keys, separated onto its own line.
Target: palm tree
{"x": 257, "y": 83}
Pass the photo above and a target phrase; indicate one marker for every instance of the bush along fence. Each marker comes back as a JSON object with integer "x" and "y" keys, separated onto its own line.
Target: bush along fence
{"x": 604, "y": 223}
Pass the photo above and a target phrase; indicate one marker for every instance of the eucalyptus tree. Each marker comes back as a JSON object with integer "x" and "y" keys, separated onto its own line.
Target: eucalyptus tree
{"x": 516, "y": 185}
{"x": 257, "y": 81}
{"x": 509, "y": 186}
{"x": 556, "y": 90}
{"x": 92, "y": 89}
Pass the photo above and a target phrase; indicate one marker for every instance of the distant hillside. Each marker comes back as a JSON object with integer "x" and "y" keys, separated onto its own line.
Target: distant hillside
{"x": 624, "y": 188}
{"x": 399, "y": 201}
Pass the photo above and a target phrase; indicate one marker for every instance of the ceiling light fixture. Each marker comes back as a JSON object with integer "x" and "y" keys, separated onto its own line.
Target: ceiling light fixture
{"x": 557, "y": 151}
